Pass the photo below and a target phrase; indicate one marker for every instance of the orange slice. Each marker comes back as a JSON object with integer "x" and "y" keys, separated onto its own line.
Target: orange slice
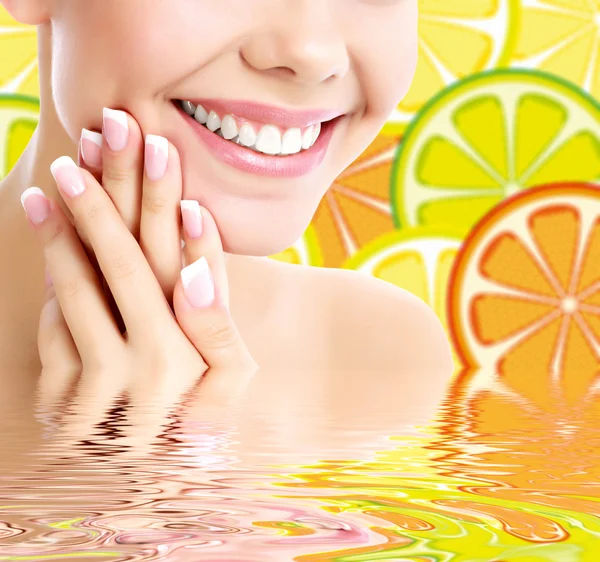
{"x": 356, "y": 208}
{"x": 304, "y": 252}
{"x": 525, "y": 292}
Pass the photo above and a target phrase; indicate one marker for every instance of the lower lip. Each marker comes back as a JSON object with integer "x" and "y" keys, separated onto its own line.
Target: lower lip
{"x": 262, "y": 164}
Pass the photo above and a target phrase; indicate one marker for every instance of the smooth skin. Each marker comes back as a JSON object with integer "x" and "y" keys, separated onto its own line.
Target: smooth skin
{"x": 302, "y": 55}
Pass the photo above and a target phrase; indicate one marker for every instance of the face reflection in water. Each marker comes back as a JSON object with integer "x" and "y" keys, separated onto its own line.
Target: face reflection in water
{"x": 305, "y": 467}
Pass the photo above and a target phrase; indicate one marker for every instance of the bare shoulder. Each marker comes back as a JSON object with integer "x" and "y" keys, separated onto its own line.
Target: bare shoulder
{"x": 382, "y": 326}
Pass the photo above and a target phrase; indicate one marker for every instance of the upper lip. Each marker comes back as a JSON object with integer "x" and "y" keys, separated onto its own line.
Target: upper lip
{"x": 268, "y": 114}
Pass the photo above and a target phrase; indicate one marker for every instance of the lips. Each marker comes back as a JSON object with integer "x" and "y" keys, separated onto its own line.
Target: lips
{"x": 254, "y": 162}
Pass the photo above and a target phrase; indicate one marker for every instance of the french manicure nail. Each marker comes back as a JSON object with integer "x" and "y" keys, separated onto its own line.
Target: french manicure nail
{"x": 198, "y": 284}
{"x": 191, "y": 217}
{"x": 68, "y": 176}
{"x": 36, "y": 205}
{"x": 156, "y": 156}
{"x": 91, "y": 148}
{"x": 115, "y": 128}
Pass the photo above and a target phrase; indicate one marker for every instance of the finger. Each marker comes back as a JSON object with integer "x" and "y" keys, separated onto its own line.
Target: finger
{"x": 131, "y": 281}
{"x": 160, "y": 227}
{"x": 89, "y": 154}
{"x": 122, "y": 165}
{"x": 205, "y": 319}
{"x": 77, "y": 286}
{"x": 202, "y": 238}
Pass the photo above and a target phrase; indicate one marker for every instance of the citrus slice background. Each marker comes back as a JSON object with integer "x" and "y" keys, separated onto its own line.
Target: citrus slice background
{"x": 18, "y": 120}
{"x": 561, "y": 37}
{"x": 418, "y": 260}
{"x": 456, "y": 39}
{"x": 524, "y": 293}
{"x": 488, "y": 137}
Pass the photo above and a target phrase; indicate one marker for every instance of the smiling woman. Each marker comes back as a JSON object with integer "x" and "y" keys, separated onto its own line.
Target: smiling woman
{"x": 243, "y": 125}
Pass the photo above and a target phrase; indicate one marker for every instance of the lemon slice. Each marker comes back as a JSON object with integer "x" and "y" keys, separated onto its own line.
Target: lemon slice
{"x": 418, "y": 260}
{"x": 18, "y": 53}
{"x": 305, "y": 251}
{"x": 457, "y": 38}
{"x": 561, "y": 37}
{"x": 489, "y": 137}
{"x": 525, "y": 293}
{"x": 19, "y": 117}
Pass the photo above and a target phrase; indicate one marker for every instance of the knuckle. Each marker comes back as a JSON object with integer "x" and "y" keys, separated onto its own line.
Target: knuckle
{"x": 70, "y": 287}
{"x": 54, "y": 232}
{"x": 115, "y": 175}
{"x": 154, "y": 204}
{"x": 95, "y": 209}
{"x": 221, "y": 335}
{"x": 123, "y": 266}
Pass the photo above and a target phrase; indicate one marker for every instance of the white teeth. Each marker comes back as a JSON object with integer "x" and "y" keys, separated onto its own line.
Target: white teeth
{"x": 291, "y": 142}
{"x": 247, "y": 135}
{"x": 316, "y": 133}
{"x": 188, "y": 107}
{"x": 307, "y": 137}
{"x": 213, "y": 122}
{"x": 269, "y": 140}
{"x": 201, "y": 115}
{"x": 229, "y": 127}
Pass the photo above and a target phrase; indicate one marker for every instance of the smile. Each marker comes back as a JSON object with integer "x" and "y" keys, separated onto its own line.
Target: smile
{"x": 259, "y": 139}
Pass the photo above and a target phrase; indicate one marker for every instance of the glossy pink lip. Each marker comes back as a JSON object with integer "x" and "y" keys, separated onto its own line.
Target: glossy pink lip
{"x": 254, "y": 162}
{"x": 268, "y": 114}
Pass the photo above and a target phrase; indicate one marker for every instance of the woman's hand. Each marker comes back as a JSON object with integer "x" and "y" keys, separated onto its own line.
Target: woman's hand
{"x": 159, "y": 350}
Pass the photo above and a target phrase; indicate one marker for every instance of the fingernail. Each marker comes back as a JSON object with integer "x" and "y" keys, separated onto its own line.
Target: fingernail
{"x": 68, "y": 176}
{"x": 91, "y": 148}
{"x": 198, "y": 284}
{"x": 115, "y": 128}
{"x": 36, "y": 205}
{"x": 156, "y": 156}
{"x": 192, "y": 218}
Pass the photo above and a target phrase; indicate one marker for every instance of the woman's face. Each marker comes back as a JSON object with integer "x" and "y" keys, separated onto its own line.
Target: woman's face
{"x": 353, "y": 58}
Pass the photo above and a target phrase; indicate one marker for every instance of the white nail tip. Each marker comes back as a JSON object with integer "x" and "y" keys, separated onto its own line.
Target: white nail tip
{"x": 161, "y": 143}
{"x": 197, "y": 269}
{"x": 190, "y": 205}
{"x": 60, "y": 162}
{"x": 116, "y": 115}
{"x": 31, "y": 191}
{"x": 96, "y": 138}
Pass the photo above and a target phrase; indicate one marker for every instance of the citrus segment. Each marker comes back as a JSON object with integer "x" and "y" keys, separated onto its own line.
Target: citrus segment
{"x": 591, "y": 260}
{"x": 497, "y": 317}
{"x": 555, "y": 232}
{"x": 508, "y": 262}
{"x": 356, "y": 208}
{"x": 456, "y": 39}
{"x": 513, "y": 303}
{"x": 18, "y": 119}
{"x": 18, "y": 53}
{"x": 560, "y": 37}
{"x": 490, "y": 137}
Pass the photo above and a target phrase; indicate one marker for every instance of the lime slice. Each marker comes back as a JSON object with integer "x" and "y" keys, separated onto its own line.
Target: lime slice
{"x": 18, "y": 119}
{"x": 489, "y": 137}
{"x": 561, "y": 37}
{"x": 18, "y": 53}
{"x": 305, "y": 251}
{"x": 456, "y": 39}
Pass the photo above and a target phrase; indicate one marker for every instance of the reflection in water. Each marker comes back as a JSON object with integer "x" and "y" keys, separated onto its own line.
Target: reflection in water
{"x": 309, "y": 467}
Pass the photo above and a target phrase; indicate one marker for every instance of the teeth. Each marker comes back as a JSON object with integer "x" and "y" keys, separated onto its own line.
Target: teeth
{"x": 292, "y": 142}
{"x": 201, "y": 115}
{"x": 213, "y": 123}
{"x": 247, "y": 135}
{"x": 229, "y": 127}
{"x": 268, "y": 141}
